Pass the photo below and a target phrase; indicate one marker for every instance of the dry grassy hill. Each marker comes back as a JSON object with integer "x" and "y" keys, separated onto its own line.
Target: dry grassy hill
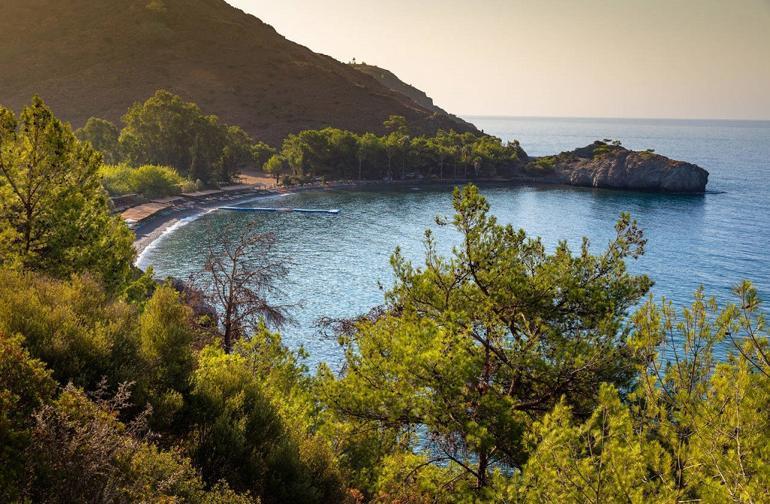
{"x": 96, "y": 57}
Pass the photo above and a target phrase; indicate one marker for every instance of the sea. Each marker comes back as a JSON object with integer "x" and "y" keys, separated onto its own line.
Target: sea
{"x": 339, "y": 263}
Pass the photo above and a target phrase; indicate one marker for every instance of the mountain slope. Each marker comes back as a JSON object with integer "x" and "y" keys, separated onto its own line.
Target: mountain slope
{"x": 392, "y": 82}
{"x": 97, "y": 57}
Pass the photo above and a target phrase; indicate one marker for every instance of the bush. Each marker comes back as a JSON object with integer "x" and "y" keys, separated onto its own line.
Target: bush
{"x": 84, "y": 453}
{"x": 151, "y": 181}
{"x": 25, "y": 385}
{"x": 155, "y": 181}
{"x": 116, "y": 179}
{"x": 542, "y": 166}
{"x": 74, "y": 327}
{"x": 165, "y": 345}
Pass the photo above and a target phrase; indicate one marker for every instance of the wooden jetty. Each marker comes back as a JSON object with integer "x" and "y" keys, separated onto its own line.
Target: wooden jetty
{"x": 333, "y": 211}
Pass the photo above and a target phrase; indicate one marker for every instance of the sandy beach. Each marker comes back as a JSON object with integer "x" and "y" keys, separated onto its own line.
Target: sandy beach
{"x": 152, "y": 228}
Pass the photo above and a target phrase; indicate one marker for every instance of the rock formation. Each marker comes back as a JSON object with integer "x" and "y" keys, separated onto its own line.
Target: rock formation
{"x": 612, "y": 166}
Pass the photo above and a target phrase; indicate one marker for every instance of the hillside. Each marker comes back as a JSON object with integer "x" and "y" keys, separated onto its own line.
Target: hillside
{"x": 392, "y": 82}
{"x": 97, "y": 57}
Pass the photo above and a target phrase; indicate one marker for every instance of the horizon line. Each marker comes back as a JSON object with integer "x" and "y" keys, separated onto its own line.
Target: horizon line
{"x": 616, "y": 118}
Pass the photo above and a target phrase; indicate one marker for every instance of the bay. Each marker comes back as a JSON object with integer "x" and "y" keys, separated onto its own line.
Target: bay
{"x": 340, "y": 262}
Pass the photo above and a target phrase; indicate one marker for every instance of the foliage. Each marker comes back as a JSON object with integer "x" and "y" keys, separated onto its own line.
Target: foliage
{"x": 601, "y": 148}
{"x": 238, "y": 435}
{"x": 503, "y": 372}
{"x": 276, "y": 166}
{"x": 83, "y": 453}
{"x": 72, "y": 448}
{"x": 156, "y": 181}
{"x": 166, "y": 130}
{"x": 74, "y": 327}
{"x": 337, "y": 154}
{"x": 117, "y": 179}
{"x": 54, "y": 215}
{"x": 261, "y": 153}
{"x": 25, "y": 385}
{"x": 165, "y": 345}
{"x": 541, "y": 166}
{"x": 691, "y": 431}
{"x": 601, "y": 460}
{"x": 246, "y": 420}
{"x": 397, "y": 124}
{"x": 103, "y": 136}
{"x": 292, "y": 393}
{"x": 470, "y": 348}
{"x": 150, "y": 181}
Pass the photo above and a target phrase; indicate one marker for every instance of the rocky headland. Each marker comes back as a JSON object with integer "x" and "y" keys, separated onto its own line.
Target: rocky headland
{"x": 612, "y": 166}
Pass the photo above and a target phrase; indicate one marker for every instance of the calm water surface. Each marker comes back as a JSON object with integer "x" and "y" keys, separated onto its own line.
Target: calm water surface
{"x": 340, "y": 262}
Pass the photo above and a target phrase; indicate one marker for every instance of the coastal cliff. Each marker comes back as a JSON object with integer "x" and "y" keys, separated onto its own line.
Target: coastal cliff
{"x": 609, "y": 165}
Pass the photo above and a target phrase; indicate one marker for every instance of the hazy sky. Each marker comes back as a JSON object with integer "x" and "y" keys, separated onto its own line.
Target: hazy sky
{"x": 584, "y": 58}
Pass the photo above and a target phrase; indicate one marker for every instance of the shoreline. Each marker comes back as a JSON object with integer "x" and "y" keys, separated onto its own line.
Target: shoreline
{"x": 150, "y": 230}
{"x": 153, "y": 228}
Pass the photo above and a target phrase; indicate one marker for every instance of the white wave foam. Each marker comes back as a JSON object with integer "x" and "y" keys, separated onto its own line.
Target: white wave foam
{"x": 142, "y": 256}
{"x": 140, "y": 259}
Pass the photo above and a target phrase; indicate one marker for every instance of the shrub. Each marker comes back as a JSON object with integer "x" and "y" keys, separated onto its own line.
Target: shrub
{"x": 73, "y": 326}
{"x": 25, "y": 385}
{"x": 155, "y": 181}
{"x": 151, "y": 181}
{"x": 86, "y": 454}
{"x": 116, "y": 179}
{"x": 542, "y": 166}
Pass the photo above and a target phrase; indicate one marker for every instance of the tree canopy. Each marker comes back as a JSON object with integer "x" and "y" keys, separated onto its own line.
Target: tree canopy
{"x": 502, "y": 372}
{"x": 54, "y": 215}
{"x": 338, "y": 154}
{"x": 469, "y": 349}
{"x": 167, "y": 130}
{"x": 103, "y": 136}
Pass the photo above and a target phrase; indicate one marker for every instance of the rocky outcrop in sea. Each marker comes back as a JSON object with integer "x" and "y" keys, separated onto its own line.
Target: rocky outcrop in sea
{"x": 609, "y": 165}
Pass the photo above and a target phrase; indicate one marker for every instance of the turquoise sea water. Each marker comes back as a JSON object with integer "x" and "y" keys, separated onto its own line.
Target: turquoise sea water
{"x": 339, "y": 262}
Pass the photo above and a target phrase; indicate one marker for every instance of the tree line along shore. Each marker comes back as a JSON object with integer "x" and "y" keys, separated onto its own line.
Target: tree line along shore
{"x": 200, "y": 152}
{"x": 501, "y": 372}
{"x": 169, "y": 152}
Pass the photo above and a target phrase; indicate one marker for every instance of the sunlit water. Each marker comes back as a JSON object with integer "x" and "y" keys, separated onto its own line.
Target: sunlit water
{"x": 339, "y": 262}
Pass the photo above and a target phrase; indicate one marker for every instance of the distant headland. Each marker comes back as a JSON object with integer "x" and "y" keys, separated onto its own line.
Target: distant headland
{"x": 607, "y": 164}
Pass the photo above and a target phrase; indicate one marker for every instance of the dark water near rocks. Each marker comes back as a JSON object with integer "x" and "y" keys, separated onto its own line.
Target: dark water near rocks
{"x": 715, "y": 240}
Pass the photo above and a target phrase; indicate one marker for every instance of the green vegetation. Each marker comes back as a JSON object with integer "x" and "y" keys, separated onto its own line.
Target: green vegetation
{"x": 103, "y": 136}
{"x": 501, "y": 373}
{"x": 150, "y": 181}
{"x": 605, "y": 147}
{"x": 541, "y": 166}
{"x": 472, "y": 355}
{"x": 167, "y": 131}
{"x": 332, "y": 153}
{"x": 54, "y": 216}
